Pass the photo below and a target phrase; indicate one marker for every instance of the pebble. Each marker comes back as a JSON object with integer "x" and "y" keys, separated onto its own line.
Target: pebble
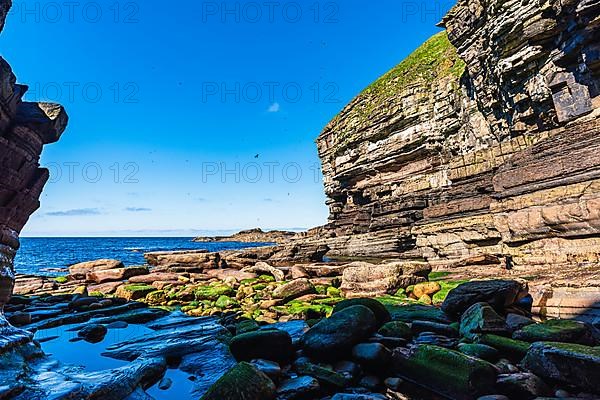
{"x": 165, "y": 384}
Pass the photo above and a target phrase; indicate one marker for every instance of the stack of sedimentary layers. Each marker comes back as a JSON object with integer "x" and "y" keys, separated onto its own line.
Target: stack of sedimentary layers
{"x": 483, "y": 143}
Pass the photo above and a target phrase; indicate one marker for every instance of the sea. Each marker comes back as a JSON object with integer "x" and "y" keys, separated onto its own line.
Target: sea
{"x": 52, "y": 256}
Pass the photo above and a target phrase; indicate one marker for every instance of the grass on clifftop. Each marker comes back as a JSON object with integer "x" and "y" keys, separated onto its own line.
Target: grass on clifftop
{"x": 433, "y": 60}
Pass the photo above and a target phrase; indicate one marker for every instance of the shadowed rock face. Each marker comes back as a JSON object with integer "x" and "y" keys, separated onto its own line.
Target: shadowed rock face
{"x": 24, "y": 129}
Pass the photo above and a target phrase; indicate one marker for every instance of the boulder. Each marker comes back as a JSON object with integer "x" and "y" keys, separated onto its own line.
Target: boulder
{"x": 270, "y": 368}
{"x": 273, "y": 345}
{"x": 396, "y": 329}
{"x": 481, "y": 318}
{"x": 184, "y": 261}
{"x": 134, "y": 292}
{"x": 327, "y": 378}
{"x": 522, "y": 385}
{"x": 426, "y": 289}
{"x": 79, "y": 271}
{"x": 372, "y": 356}
{"x": 557, "y": 330}
{"x": 294, "y": 289}
{"x": 264, "y": 268}
{"x": 497, "y": 293}
{"x": 243, "y": 382}
{"x": 302, "y": 387}
{"x": 572, "y": 364}
{"x": 115, "y": 274}
{"x": 150, "y": 278}
{"x": 363, "y": 279}
{"x": 230, "y": 273}
{"x": 93, "y": 333}
{"x": 435, "y": 327}
{"x": 334, "y": 337}
{"x": 509, "y": 347}
{"x": 515, "y": 321}
{"x": 482, "y": 351}
{"x": 446, "y": 371}
{"x": 381, "y": 313}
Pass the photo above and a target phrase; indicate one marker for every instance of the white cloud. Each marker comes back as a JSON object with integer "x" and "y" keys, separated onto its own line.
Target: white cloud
{"x": 275, "y": 107}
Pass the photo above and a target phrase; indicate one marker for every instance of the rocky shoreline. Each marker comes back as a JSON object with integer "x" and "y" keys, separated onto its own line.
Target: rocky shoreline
{"x": 301, "y": 332}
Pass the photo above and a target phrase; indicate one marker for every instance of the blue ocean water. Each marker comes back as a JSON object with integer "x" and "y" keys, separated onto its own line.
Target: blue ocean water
{"x": 43, "y": 256}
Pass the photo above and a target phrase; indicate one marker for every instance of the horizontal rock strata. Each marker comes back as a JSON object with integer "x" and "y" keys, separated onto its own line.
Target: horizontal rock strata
{"x": 483, "y": 143}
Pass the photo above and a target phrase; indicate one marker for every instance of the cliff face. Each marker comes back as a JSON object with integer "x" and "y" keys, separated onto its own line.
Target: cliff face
{"x": 24, "y": 129}
{"x": 481, "y": 147}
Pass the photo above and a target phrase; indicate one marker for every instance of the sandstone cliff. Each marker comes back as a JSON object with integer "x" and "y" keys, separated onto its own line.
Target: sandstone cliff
{"x": 480, "y": 148}
{"x": 24, "y": 129}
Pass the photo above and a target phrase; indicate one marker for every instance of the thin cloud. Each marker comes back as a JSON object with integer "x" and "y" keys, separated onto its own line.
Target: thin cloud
{"x": 275, "y": 107}
{"x": 138, "y": 209}
{"x": 78, "y": 212}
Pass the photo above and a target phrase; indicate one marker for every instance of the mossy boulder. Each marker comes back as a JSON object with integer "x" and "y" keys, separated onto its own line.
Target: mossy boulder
{"x": 246, "y": 326}
{"x": 294, "y": 289}
{"x": 274, "y": 345}
{"x": 157, "y": 297}
{"x": 426, "y": 288}
{"x": 224, "y": 302}
{"x": 477, "y": 350}
{"x": 334, "y": 337}
{"x": 510, "y": 347}
{"x": 557, "y": 330}
{"x": 381, "y": 313}
{"x": 134, "y": 291}
{"x": 446, "y": 371}
{"x": 573, "y": 364}
{"x": 396, "y": 329}
{"x": 481, "y": 318}
{"x": 61, "y": 280}
{"x": 243, "y": 382}
{"x": 213, "y": 292}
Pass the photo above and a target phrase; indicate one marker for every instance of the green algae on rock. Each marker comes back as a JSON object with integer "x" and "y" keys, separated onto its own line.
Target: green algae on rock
{"x": 511, "y": 347}
{"x": 272, "y": 344}
{"x": 396, "y": 329}
{"x": 378, "y": 309}
{"x": 556, "y": 330}
{"x": 446, "y": 371}
{"x": 243, "y": 382}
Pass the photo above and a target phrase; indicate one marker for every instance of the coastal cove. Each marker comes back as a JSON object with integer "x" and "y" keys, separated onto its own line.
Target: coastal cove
{"x": 460, "y": 258}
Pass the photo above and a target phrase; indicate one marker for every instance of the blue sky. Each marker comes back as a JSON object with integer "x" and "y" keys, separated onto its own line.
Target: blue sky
{"x": 198, "y": 117}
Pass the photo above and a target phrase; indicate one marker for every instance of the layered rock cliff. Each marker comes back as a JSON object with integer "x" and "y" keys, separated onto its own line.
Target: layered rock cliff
{"x": 24, "y": 129}
{"x": 480, "y": 148}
